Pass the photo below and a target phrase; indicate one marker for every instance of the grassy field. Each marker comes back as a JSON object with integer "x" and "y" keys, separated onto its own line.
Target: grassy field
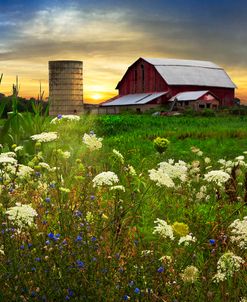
{"x": 156, "y": 226}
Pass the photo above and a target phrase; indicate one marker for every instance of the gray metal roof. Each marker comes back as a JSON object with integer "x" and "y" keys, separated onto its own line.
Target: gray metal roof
{"x": 188, "y": 95}
{"x": 134, "y": 99}
{"x": 191, "y": 72}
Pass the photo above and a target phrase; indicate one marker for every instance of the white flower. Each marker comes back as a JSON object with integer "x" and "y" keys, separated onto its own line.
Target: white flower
{"x": 199, "y": 153}
{"x": 167, "y": 259}
{"x": 147, "y": 252}
{"x": 167, "y": 172}
{"x": 118, "y": 155}
{"x": 130, "y": 169}
{"x": 105, "y": 178}
{"x": 119, "y": 188}
{"x": 18, "y": 148}
{"x": 163, "y": 229}
{"x": 194, "y": 149}
{"x": 239, "y": 232}
{"x": 24, "y": 171}
{"x": 186, "y": 240}
{"x": 44, "y": 165}
{"x": 45, "y": 137}
{"x": 7, "y": 160}
{"x": 190, "y": 274}
{"x": 69, "y": 117}
{"x": 243, "y": 299}
{"x": 161, "y": 178}
{"x": 227, "y": 265}
{"x": 92, "y": 142}
{"x": 1, "y": 250}
{"x": 207, "y": 160}
{"x": 217, "y": 176}
{"x": 22, "y": 215}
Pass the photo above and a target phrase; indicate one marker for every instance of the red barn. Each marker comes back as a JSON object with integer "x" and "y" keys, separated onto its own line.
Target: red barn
{"x": 151, "y": 82}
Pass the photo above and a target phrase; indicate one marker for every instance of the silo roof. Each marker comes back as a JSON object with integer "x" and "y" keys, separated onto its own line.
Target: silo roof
{"x": 191, "y": 72}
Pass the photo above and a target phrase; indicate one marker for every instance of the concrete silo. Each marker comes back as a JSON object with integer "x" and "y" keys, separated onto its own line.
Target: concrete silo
{"x": 65, "y": 87}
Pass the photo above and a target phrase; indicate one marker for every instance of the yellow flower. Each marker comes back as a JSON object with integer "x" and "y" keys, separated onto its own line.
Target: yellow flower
{"x": 180, "y": 228}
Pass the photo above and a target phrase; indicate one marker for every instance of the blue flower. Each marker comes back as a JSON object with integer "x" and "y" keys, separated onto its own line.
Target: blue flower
{"x": 126, "y": 297}
{"x": 91, "y": 132}
{"x": 33, "y": 294}
{"x": 37, "y": 174}
{"x": 92, "y": 197}
{"x": 212, "y": 241}
{"x": 80, "y": 263}
{"x": 48, "y": 199}
{"x": 160, "y": 269}
{"x": 29, "y": 245}
{"x": 67, "y": 298}
{"x": 78, "y": 213}
{"x": 47, "y": 242}
{"x": 22, "y": 247}
{"x": 51, "y": 235}
{"x": 59, "y": 116}
{"x": 52, "y": 185}
{"x": 137, "y": 290}
{"x": 70, "y": 292}
{"x": 33, "y": 269}
{"x": 93, "y": 239}
{"x": 78, "y": 238}
{"x": 37, "y": 259}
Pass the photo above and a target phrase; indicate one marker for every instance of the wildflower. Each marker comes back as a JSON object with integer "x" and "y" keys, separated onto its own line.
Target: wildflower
{"x": 22, "y": 215}
{"x": 190, "y": 274}
{"x": 80, "y": 263}
{"x": 5, "y": 159}
{"x": 68, "y": 117}
{"x": 163, "y": 229}
{"x": 45, "y": 166}
{"x": 239, "y": 232}
{"x": 45, "y": 137}
{"x": 130, "y": 169}
{"x": 186, "y": 240}
{"x": 126, "y": 297}
{"x": 89, "y": 217}
{"x": 166, "y": 259}
{"x": 161, "y": 144}
{"x": 105, "y": 178}
{"x": 64, "y": 190}
{"x": 18, "y": 148}
{"x": 47, "y": 199}
{"x": 161, "y": 179}
{"x": 160, "y": 269}
{"x": 207, "y": 160}
{"x": 180, "y": 228}
{"x": 118, "y": 188}
{"x": 1, "y": 250}
{"x": 137, "y": 290}
{"x": 227, "y": 265}
{"x": 147, "y": 252}
{"x": 92, "y": 142}
{"x": 217, "y": 176}
{"x": 243, "y": 299}
{"x": 118, "y": 155}
{"x": 212, "y": 241}
{"x": 78, "y": 238}
{"x": 63, "y": 154}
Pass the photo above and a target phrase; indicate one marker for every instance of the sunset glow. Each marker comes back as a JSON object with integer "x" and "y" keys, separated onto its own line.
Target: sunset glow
{"x": 108, "y": 38}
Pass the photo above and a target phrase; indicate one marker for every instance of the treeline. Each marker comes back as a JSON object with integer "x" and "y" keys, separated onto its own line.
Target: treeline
{"x": 24, "y": 105}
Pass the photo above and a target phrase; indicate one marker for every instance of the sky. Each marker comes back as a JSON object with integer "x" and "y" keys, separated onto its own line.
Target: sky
{"x": 110, "y": 35}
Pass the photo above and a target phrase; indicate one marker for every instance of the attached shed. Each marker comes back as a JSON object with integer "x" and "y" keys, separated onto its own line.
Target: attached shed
{"x": 171, "y": 77}
{"x": 197, "y": 100}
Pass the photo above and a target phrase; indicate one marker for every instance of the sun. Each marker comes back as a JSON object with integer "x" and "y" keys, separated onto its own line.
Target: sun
{"x": 96, "y": 96}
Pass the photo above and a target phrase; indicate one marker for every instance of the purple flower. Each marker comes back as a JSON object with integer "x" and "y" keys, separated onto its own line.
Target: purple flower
{"x": 131, "y": 283}
{"x": 126, "y": 297}
{"x": 48, "y": 199}
{"x": 93, "y": 239}
{"x": 22, "y": 247}
{"x": 51, "y": 235}
{"x": 92, "y": 197}
{"x": 59, "y": 116}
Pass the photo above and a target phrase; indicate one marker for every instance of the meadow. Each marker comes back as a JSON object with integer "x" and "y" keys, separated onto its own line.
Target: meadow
{"x": 91, "y": 209}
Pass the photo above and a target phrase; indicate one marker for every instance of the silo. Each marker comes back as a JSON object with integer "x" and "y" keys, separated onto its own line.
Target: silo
{"x": 65, "y": 87}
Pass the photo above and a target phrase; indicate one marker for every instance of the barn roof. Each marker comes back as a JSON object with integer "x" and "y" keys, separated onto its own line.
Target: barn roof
{"x": 134, "y": 99}
{"x": 191, "y": 72}
{"x": 189, "y": 95}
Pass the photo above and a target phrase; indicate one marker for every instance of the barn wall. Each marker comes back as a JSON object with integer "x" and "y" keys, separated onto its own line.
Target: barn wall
{"x": 132, "y": 81}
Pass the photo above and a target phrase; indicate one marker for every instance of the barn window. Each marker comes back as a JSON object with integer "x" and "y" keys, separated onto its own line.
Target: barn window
{"x": 201, "y": 106}
{"x": 186, "y": 103}
{"x": 143, "y": 79}
{"x": 138, "y": 110}
{"x": 209, "y": 105}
